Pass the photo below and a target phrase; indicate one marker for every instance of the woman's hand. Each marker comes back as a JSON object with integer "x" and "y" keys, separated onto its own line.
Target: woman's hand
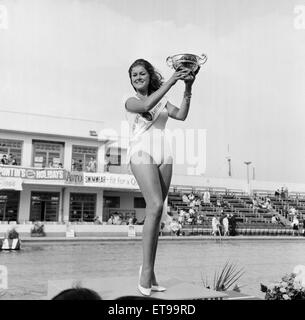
{"x": 191, "y": 78}
{"x": 179, "y": 75}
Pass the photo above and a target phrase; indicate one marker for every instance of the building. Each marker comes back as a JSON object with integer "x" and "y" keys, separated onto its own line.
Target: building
{"x": 71, "y": 175}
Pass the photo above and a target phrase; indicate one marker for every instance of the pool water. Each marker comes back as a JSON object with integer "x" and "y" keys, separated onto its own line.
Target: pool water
{"x": 263, "y": 261}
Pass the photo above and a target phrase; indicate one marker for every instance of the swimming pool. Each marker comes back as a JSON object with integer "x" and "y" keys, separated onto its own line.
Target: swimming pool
{"x": 262, "y": 260}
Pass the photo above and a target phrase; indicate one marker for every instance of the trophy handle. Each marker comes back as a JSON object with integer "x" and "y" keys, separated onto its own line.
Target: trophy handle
{"x": 169, "y": 61}
{"x": 202, "y": 59}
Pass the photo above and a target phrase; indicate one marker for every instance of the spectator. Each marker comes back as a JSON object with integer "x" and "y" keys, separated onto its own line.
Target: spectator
{"x": 215, "y": 226}
{"x": 277, "y": 194}
{"x": 206, "y": 197}
{"x": 4, "y": 159}
{"x": 77, "y": 294}
{"x": 79, "y": 165}
{"x": 117, "y": 219}
{"x": 191, "y": 218}
{"x": 73, "y": 165}
{"x": 91, "y": 165}
{"x": 192, "y": 204}
{"x": 295, "y": 225}
{"x": 110, "y": 220}
{"x": 107, "y": 162}
{"x": 232, "y": 225}
{"x": 175, "y": 227}
{"x": 185, "y": 199}
{"x": 273, "y": 219}
{"x": 197, "y": 202}
{"x": 282, "y": 193}
{"x": 191, "y": 196}
{"x": 221, "y": 228}
{"x": 225, "y": 223}
{"x": 218, "y": 203}
{"x": 292, "y": 211}
{"x": 181, "y": 216}
{"x": 97, "y": 220}
{"x": 162, "y": 225}
{"x": 286, "y": 193}
{"x": 11, "y": 160}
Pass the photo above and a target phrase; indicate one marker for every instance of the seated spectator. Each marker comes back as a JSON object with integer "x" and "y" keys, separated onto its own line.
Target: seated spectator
{"x": 192, "y": 203}
{"x": 181, "y": 216}
{"x": 175, "y": 227}
{"x": 97, "y": 220}
{"x": 292, "y": 211}
{"x": 191, "y": 196}
{"x": 206, "y": 197}
{"x": 197, "y": 202}
{"x": 134, "y": 220}
{"x": 4, "y": 159}
{"x": 110, "y": 220}
{"x": 185, "y": 199}
{"x": 11, "y": 160}
{"x": 295, "y": 225}
{"x": 77, "y": 294}
{"x": 117, "y": 219}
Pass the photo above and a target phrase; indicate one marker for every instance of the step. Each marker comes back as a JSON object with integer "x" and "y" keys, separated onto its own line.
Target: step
{"x": 111, "y": 288}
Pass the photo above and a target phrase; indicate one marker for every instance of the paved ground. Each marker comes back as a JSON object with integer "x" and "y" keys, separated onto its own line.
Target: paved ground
{"x": 139, "y": 238}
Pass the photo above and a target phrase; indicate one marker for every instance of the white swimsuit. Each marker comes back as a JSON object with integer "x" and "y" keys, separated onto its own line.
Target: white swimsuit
{"x": 147, "y": 137}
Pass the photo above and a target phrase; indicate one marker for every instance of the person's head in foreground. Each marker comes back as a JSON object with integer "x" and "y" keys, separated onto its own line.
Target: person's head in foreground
{"x": 77, "y": 294}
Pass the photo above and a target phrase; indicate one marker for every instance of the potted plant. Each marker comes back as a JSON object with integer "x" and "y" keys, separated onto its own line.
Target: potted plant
{"x": 38, "y": 230}
{"x": 12, "y": 234}
{"x": 290, "y": 287}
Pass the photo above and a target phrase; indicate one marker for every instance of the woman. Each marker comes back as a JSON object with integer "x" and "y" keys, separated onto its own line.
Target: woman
{"x": 149, "y": 153}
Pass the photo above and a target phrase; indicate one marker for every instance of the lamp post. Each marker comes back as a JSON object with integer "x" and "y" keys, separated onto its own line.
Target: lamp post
{"x": 247, "y": 163}
{"x": 229, "y": 163}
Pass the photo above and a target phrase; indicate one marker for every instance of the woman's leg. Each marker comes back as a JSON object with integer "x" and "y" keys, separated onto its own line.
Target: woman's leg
{"x": 165, "y": 173}
{"x": 147, "y": 176}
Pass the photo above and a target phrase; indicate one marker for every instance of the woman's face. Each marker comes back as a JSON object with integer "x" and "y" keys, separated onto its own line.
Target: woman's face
{"x": 140, "y": 78}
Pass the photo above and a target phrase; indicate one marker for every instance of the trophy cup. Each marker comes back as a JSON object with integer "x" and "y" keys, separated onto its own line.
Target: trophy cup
{"x": 186, "y": 61}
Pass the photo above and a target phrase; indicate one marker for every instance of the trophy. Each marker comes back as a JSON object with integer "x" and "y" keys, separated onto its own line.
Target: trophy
{"x": 188, "y": 61}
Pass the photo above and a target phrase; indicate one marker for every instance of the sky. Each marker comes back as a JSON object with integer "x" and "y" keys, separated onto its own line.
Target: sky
{"x": 70, "y": 58}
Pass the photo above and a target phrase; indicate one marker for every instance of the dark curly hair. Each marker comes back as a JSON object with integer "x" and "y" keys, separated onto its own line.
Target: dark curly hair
{"x": 156, "y": 79}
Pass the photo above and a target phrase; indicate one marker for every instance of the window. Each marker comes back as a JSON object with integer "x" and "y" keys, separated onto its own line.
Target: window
{"x": 47, "y": 154}
{"x": 139, "y": 203}
{"x": 111, "y": 202}
{"x": 9, "y": 204}
{"x": 84, "y": 158}
{"x": 44, "y": 206}
{"x": 113, "y": 157}
{"x": 82, "y": 207}
{"x": 13, "y": 147}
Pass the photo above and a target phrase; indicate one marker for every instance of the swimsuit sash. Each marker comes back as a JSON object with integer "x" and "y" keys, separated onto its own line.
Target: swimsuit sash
{"x": 145, "y": 125}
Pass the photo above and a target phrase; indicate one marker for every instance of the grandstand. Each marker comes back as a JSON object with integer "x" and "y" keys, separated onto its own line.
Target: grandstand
{"x": 249, "y": 220}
